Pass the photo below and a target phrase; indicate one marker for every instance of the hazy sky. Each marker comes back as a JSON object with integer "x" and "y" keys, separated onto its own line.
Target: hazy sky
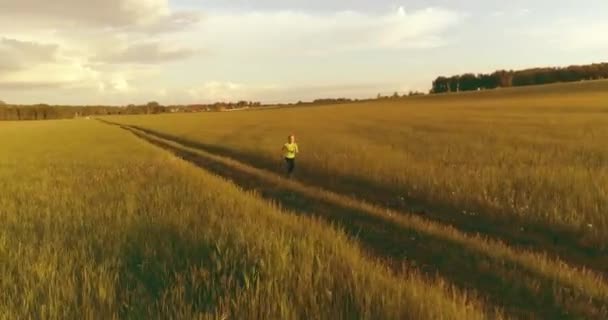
{"x": 186, "y": 51}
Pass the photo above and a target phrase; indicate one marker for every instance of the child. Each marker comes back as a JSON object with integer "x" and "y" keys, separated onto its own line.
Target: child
{"x": 290, "y": 150}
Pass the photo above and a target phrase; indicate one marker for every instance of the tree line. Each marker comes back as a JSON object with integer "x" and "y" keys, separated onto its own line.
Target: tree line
{"x": 527, "y": 77}
{"x": 47, "y": 112}
{"x": 327, "y": 101}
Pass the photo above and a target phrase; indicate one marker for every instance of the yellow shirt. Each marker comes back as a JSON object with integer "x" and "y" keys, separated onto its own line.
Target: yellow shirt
{"x": 290, "y": 149}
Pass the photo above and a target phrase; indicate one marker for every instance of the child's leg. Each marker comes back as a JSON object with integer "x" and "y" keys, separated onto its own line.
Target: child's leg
{"x": 287, "y": 165}
{"x": 290, "y": 165}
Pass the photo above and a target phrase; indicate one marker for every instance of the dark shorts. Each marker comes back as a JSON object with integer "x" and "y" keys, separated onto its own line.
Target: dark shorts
{"x": 291, "y": 164}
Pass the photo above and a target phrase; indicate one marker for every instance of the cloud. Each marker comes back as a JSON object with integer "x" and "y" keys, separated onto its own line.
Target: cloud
{"x": 33, "y": 65}
{"x": 28, "y": 86}
{"x": 140, "y": 15}
{"x": 116, "y": 50}
{"x": 146, "y": 53}
{"x": 17, "y": 55}
{"x": 176, "y": 21}
{"x": 309, "y": 5}
{"x": 226, "y": 91}
{"x": 524, "y": 12}
{"x": 66, "y": 44}
{"x": 62, "y": 74}
{"x": 44, "y": 66}
{"x": 104, "y": 13}
{"x": 303, "y": 32}
{"x": 214, "y": 91}
{"x": 581, "y": 36}
{"x": 570, "y": 35}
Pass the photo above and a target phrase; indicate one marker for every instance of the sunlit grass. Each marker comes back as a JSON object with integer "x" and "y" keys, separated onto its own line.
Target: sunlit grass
{"x": 526, "y": 284}
{"x": 99, "y": 224}
{"x": 536, "y": 157}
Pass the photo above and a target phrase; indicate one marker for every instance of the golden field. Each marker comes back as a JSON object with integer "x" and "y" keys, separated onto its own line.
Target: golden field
{"x": 97, "y": 224}
{"x": 481, "y": 205}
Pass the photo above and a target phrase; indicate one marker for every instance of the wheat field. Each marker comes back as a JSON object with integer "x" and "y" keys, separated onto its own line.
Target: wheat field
{"x": 98, "y": 224}
{"x": 533, "y": 156}
{"x": 524, "y": 170}
{"x": 484, "y": 205}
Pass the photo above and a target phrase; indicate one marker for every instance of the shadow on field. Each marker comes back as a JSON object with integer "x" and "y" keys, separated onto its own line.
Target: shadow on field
{"x": 163, "y": 269}
{"x": 154, "y": 256}
{"x": 516, "y": 231}
{"x": 522, "y": 292}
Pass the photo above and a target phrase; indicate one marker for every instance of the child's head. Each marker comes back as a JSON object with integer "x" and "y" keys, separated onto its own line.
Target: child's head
{"x": 291, "y": 138}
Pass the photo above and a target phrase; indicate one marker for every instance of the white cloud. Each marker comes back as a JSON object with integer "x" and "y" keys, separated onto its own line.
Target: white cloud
{"x": 79, "y": 13}
{"x": 227, "y": 91}
{"x": 61, "y": 18}
{"x": 33, "y": 65}
{"x": 300, "y": 32}
{"x": 66, "y": 44}
{"x": 16, "y": 54}
{"x": 116, "y": 49}
{"x": 214, "y": 91}
{"x": 176, "y": 21}
{"x": 50, "y": 75}
{"x": 146, "y": 53}
{"x": 581, "y": 36}
{"x": 36, "y": 66}
{"x": 569, "y": 35}
{"x": 119, "y": 83}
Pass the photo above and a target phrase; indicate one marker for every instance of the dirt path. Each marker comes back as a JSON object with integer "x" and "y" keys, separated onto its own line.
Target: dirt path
{"x": 509, "y": 279}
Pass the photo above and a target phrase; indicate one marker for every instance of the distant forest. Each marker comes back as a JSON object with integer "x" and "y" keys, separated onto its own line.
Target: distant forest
{"x": 527, "y": 77}
{"x": 47, "y": 112}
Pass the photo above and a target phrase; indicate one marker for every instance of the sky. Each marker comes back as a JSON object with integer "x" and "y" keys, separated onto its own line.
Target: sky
{"x": 118, "y": 52}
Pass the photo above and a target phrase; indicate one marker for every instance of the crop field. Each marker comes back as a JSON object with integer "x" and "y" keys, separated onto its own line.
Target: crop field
{"x": 99, "y": 224}
{"x": 484, "y": 205}
{"x": 520, "y": 163}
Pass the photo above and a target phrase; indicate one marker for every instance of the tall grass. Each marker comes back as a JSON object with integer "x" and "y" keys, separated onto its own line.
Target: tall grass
{"x": 528, "y": 160}
{"x": 98, "y": 224}
{"x": 525, "y": 284}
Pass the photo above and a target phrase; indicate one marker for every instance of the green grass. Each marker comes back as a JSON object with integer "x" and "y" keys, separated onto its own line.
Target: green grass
{"x": 99, "y": 224}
